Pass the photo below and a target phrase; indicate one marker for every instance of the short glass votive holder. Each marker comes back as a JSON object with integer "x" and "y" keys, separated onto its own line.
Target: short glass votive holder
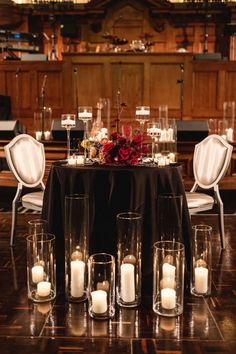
{"x": 168, "y": 278}
{"x": 129, "y": 233}
{"x": 41, "y": 267}
{"x": 101, "y": 286}
{"x": 201, "y": 260}
{"x": 76, "y": 246}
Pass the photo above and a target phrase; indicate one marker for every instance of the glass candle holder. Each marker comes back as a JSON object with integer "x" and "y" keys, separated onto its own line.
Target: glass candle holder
{"x": 37, "y": 226}
{"x": 101, "y": 286}
{"x": 76, "y": 246}
{"x": 41, "y": 267}
{"x": 201, "y": 260}
{"x": 129, "y": 231}
{"x": 169, "y": 217}
{"x": 168, "y": 278}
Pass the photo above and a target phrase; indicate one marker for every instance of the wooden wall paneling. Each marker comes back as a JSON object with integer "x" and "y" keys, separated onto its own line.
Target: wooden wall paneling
{"x": 164, "y": 87}
{"x": 127, "y": 78}
{"x": 19, "y": 86}
{"x": 230, "y": 84}
{"x": 204, "y": 93}
{"x": 91, "y": 82}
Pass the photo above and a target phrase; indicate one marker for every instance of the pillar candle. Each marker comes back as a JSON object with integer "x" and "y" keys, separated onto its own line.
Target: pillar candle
{"x": 38, "y": 135}
{"x": 201, "y": 280}
{"x": 77, "y": 278}
{"x": 127, "y": 282}
{"x": 43, "y": 288}
{"x": 168, "y": 270}
{"x": 99, "y": 301}
{"x": 47, "y": 135}
{"x": 168, "y": 298}
{"x": 37, "y": 273}
{"x": 229, "y": 134}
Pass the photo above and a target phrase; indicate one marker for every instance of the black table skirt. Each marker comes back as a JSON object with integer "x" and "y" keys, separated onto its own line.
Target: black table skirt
{"x": 113, "y": 190}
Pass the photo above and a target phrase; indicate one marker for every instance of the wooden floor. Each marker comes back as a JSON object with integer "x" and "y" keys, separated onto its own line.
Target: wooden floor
{"x": 208, "y": 325}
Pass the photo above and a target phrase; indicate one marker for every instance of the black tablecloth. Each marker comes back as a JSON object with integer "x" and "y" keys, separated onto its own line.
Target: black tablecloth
{"x": 113, "y": 190}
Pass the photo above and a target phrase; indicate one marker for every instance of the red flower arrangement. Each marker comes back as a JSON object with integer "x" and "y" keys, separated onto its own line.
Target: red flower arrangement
{"x": 120, "y": 149}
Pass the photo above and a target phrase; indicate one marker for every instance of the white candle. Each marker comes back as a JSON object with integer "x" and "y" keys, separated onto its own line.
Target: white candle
{"x": 37, "y": 273}
{"x": 229, "y": 134}
{"x": 142, "y": 112}
{"x": 99, "y": 301}
{"x": 170, "y": 134}
{"x": 162, "y": 161}
{"x": 67, "y": 122}
{"x": 168, "y": 298}
{"x": 172, "y": 157}
{"x": 168, "y": 282}
{"x": 80, "y": 160}
{"x": 38, "y": 135}
{"x": 201, "y": 280}
{"x": 127, "y": 282}
{"x": 168, "y": 270}
{"x": 85, "y": 114}
{"x": 44, "y": 288}
{"x": 77, "y": 278}
{"x": 47, "y": 135}
{"x": 71, "y": 161}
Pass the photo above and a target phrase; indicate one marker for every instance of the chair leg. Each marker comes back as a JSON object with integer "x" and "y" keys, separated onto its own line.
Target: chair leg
{"x": 14, "y": 213}
{"x": 220, "y": 206}
{"x": 13, "y": 222}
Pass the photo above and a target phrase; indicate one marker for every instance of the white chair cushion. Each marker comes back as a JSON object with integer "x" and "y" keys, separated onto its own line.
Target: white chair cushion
{"x": 198, "y": 200}
{"x": 33, "y": 200}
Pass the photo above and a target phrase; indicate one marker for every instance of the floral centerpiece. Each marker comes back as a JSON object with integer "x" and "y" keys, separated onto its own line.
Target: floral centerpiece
{"x": 123, "y": 150}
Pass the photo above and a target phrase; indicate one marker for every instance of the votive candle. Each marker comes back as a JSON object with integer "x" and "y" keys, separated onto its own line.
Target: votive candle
{"x": 168, "y": 298}
{"x": 99, "y": 301}
{"x": 43, "y": 288}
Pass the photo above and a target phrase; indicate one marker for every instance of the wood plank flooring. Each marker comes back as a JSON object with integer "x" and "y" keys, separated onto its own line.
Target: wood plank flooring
{"x": 207, "y": 326}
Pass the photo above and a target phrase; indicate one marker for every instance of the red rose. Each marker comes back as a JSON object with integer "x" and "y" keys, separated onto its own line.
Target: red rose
{"x": 124, "y": 153}
{"x": 108, "y": 147}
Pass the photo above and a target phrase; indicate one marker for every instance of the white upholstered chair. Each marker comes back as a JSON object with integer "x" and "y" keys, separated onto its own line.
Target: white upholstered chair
{"x": 211, "y": 160}
{"x": 26, "y": 159}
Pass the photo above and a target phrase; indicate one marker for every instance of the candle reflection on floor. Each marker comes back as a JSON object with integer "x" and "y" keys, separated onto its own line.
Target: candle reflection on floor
{"x": 77, "y": 319}
{"x": 168, "y": 327}
{"x": 128, "y": 326}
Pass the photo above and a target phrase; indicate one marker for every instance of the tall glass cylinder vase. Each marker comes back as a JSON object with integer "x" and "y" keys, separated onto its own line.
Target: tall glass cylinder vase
{"x": 101, "y": 286}
{"x": 76, "y": 246}
{"x": 169, "y": 217}
{"x": 201, "y": 260}
{"x": 168, "y": 278}
{"x": 41, "y": 267}
{"x": 129, "y": 233}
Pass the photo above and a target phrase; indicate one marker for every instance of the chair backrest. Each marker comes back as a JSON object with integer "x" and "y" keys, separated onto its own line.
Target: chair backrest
{"x": 26, "y": 159}
{"x": 211, "y": 160}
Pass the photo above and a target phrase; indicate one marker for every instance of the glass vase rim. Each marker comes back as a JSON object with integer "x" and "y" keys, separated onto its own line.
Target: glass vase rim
{"x": 68, "y": 115}
{"x": 37, "y": 238}
{"x": 202, "y": 227}
{"x": 129, "y": 215}
{"x": 37, "y": 221}
{"x": 101, "y": 254}
{"x": 159, "y": 245}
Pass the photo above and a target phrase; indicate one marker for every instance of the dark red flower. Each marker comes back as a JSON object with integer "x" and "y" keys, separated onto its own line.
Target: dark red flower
{"x": 124, "y": 153}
